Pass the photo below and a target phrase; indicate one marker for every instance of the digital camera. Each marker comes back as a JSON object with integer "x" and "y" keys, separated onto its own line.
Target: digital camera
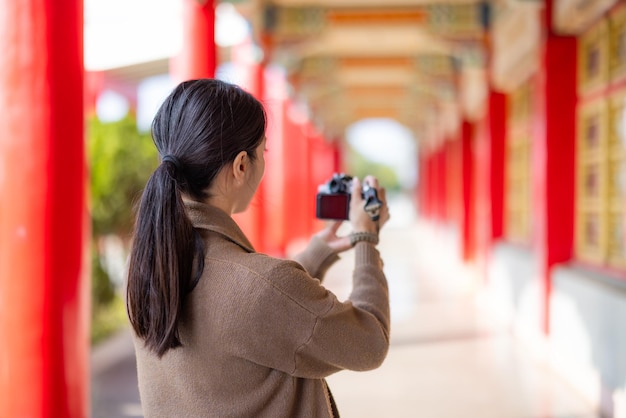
{"x": 333, "y": 199}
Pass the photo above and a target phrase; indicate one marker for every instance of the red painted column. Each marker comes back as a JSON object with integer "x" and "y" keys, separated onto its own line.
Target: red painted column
{"x": 481, "y": 195}
{"x": 93, "y": 85}
{"x": 251, "y": 221}
{"x": 322, "y": 163}
{"x": 425, "y": 184}
{"x": 428, "y": 185}
{"x": 300, "y": 182}
{"x": 198, "y": 57}
{"x": 309, "y": 186}
{"x": 449, "y": 162}
{"x": 455, "y": 180}
{"x": 337, "y": 153}
{"x": 306, "y": 184}
{"x": 442, "y": 183}
{"x": 497, "y": 134}
{"x": 259, "y": 199}
{"x": 467, "y": 221}
{"x": 294, "y": 182}
{"x": 431, "y": 199}
{"x": 273, "y": 190}
{"x": 44, "y": 313}
{"x": 437, "y": 184}
{"x": 554, "y": 156}
{"x": 420, "y": 186}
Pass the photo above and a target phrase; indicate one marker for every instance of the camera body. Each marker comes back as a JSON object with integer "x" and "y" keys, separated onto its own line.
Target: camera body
{"x": 333, "y": 199}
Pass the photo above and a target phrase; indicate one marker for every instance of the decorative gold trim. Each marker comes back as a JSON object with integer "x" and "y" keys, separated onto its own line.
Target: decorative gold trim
{"x": 592, "y": 158}
{"x": 593, "y": 60}
{"x": 517, "y": 207}
{"x": 616, "y": 169}
{"x": 617, "y": 49}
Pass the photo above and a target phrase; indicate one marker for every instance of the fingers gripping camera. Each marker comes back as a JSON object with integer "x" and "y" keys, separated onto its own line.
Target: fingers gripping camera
{"x": 333, "y": 199}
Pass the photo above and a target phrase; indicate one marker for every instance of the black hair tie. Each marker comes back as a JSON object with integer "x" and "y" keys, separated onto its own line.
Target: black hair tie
{"x": 173, "y": 160}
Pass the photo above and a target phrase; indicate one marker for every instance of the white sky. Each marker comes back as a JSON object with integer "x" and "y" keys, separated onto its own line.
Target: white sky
{"x": 124, "y": 32}
{"x": 388, "y": 142}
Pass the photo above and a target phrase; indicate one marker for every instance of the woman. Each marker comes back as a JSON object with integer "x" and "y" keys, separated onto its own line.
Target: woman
{"x": 219, "y": 329}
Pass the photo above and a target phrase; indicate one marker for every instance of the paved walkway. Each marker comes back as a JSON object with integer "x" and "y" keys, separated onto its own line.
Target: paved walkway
{"x": 448, "y": 358}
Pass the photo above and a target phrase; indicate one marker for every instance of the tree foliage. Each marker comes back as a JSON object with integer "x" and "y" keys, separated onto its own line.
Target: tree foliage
{"x": 122, "y": 159}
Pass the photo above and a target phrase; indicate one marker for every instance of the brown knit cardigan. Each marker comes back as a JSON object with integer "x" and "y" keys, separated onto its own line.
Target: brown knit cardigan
{"x": 260, "y": 334}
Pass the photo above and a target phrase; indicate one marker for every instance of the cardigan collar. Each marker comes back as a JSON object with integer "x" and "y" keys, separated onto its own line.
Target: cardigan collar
{"x": 213, "y": 219}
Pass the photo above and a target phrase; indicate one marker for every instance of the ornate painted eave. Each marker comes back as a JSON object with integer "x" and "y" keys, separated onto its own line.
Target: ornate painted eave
{"x": 347, "y": 60}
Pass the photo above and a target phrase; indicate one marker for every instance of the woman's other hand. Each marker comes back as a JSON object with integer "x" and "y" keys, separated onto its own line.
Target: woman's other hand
{"x": 330, "y": 237}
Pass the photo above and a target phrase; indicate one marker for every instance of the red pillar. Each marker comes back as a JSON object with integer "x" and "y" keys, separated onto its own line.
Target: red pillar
{"x": 467, "y": 221}
{"x": 455, "y": 180}
{"x": 274, "y": 193}
{"x": 424, "y": 182}
{"x": 429, "y": 196}
{"x": 198, "y": 57}
{"x": 93, "y": 85}
{"x": 310, "y": 185}
{"x": 43, "y": 292}
{"x": 295, "y": 179}
{"x": 323, "y": 162}
{"x": 251, "y": 221}
{"x": 323, "y": 157}
{"x": 259, "y": 208}
{"x": 337, "y": 156}
{"x": 497, "y": 133}
{"x": 442, "y": 183}
{"x": 420, "y": 186}
{"x": 436, "y": 190}
{"x": 431, "y": 186}
{"x": 302, "y": 175}
{"x": 554, "y": 156}
{"x": 481, "y": 195}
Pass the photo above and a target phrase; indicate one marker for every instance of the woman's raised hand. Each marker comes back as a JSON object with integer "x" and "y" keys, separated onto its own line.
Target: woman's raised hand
{"x": 359, "y": 218}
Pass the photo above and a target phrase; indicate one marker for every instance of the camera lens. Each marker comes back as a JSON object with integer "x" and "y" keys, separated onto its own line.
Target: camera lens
{"x": 336, "y": 186}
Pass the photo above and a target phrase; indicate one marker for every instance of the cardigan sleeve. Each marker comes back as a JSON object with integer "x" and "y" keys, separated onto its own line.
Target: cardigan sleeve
{"x": 354, "y": 334}
{"x": 317, "y": 258}
{"x": 282, "y": 318}
{"x": 305, "y": 331}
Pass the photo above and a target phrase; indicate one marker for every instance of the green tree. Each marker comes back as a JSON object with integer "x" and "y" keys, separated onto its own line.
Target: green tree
{"x": 121, "y": 159}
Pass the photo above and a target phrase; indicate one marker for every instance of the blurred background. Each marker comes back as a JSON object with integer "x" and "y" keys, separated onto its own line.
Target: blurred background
{"x": 496, "y": 127}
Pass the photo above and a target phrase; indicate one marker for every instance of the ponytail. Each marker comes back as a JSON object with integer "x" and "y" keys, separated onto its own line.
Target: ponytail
{"x": 161, "y": 264}
{"x": 200, "y": 127}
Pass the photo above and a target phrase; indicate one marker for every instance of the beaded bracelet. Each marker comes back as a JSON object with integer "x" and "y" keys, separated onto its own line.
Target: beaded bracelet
{"x": 363, "y": 236}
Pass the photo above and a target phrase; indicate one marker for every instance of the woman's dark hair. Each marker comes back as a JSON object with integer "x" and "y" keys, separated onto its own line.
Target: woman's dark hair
{"x": 202, "y": 126}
